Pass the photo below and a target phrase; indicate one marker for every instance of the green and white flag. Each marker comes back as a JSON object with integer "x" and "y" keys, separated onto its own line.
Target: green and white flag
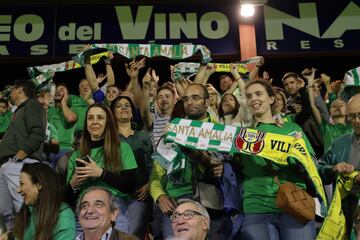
{"x": 352, "y": 77}
{"x": 150, "y": 50}
{"x": 202, "y": 135}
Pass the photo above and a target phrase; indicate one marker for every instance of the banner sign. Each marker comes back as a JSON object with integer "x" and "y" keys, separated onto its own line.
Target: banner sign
{"x": 308, "y": 26}
{"x": 61, "y": 30}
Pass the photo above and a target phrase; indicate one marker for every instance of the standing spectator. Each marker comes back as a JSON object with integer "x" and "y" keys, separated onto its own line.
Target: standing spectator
{"x": 22, "y": 143}
{"x": 190, "y": 220}
{"x": 97, "y": 213}
{"x": 298, "y": 106}
{"x": 43, "y": 215}
{"x": 168, "y": 187}
{"x": 262, "y": 218}
{"x": 63, "y": 118}
{"x": 79, "y": 104}
{"x": 51, "y": 144}
{"x": 5, "y": 116}
{"x": 139, "y": 205}
{"x": 214, "y": 101}
{"x": 156, "y": 115}
{"x": 330, "y": 130}
{"x": 108, "y": 162}
{"x": 343, "y": 157}
{"x": 232, "y": 113}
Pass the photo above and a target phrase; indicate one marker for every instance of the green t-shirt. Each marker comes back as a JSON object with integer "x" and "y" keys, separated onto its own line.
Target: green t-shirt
{"x": 97, "y": 154}
{"x": 79, "y": 106}
{"x": 332, "y": 131}
{"x": 64, "y": 129}
{"x": 179, "y": 182}
{"x": 259, "y": 186}
{"x": 64, "y": 229}
{"x": 5, "y": 121}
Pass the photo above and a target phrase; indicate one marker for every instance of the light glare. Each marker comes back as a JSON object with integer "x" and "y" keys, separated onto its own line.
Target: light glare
{"x": 247, "y": 10}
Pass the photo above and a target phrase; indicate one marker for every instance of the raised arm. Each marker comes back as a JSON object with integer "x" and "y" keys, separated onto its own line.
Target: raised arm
{"x": 132, "y": 70}
{"x": 238, "y": 83}
{"x": 109, "y": 70}
{"x": 204, "y": 73}
{"x": 309, "y": 75}
{"x": 255, "y": 71}
{"x": 148, "y": 83}
{"x": 69, "y": 115}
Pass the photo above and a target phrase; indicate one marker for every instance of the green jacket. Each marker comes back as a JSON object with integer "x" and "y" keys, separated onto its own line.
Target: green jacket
{"x": 338, "y": 152}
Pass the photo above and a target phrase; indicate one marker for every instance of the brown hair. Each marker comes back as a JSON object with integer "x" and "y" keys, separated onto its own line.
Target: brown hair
{"x": 265, "y": 84}
{"x": 289, "y": 75}
{"x": 112, "y": 156}
{"x": 47, "y": 206}
{"x": 236, "y": 109}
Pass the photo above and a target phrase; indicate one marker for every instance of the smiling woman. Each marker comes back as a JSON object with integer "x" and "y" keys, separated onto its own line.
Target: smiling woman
{"x": 111, "y": 163}
{"x": 263, "y": 219}
{"x": 43, "y": 216}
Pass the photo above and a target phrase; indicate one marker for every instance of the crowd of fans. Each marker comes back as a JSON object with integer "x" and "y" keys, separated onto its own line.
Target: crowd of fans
{"x": 91, "y": 166}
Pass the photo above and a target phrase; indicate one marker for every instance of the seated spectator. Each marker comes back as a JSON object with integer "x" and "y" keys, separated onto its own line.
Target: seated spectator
{"x": 43, "y": 215}
{"x": 97, "y": 212}
{"x": 190, "y": 220}
{"x": 102, "y": 160}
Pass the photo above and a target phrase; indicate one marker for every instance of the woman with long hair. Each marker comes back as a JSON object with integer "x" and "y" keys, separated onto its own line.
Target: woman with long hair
{"x": 262, "y": 218}
{"x": 43, "y": 216}
{"x": 139, "y": 205}
{"x": 102, "y": 160}
{"x": 214, "y": 97}
{"x": 231, "y": 112}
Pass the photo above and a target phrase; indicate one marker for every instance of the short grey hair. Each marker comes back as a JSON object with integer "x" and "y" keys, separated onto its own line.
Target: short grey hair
{"x": 112, "y": 198}
{"x": 198, "y": 205}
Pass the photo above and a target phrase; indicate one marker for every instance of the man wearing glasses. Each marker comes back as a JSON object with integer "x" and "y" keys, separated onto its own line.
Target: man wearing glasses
{"x": 344, "y": 157}
{"x": 168, "y": 187}
{"x": 190, "y": 220}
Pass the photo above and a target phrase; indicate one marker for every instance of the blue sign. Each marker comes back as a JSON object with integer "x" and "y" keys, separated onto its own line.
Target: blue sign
{"x": 62, "y": 30}
{"x": 308, "y": 26}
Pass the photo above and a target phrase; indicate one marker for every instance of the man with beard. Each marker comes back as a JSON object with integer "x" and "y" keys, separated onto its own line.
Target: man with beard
{"x": 22, "y": 143}
{"x": 343, "y": 157}
{"x": 63, "y": 118}
{"x": 168, "y": 187}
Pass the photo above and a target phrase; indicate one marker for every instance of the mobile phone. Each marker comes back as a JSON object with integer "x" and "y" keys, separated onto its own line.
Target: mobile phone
{"x": 86, "y": 158}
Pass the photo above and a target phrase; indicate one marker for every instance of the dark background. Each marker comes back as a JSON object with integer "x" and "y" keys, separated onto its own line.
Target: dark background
{"x": 334, "y": 64}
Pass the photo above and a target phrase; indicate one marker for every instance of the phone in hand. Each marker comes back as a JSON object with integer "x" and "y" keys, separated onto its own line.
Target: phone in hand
{"x": 80, "y": 164}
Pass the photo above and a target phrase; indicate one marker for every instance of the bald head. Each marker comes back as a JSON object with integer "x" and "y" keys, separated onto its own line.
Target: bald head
{"x": 353, "y": 105}
{"x": 353, "y": 117}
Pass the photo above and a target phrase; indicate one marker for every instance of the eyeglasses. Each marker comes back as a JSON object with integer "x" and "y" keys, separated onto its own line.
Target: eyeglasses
{"x": 352, "y": 116}
{"x": 187, "y": 215}
{"x": 193, "y": 98}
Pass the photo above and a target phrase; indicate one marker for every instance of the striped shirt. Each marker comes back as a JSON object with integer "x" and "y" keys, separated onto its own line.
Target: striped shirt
{"x": 159, "y": 125}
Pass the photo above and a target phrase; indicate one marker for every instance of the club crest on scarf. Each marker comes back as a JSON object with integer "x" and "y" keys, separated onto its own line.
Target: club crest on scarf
{"x": 250, "y": 140}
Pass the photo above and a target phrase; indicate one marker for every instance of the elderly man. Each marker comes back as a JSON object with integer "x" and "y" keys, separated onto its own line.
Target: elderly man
{"x": 190, "y": 220}
{"x": 97, "y": 211}
{"x": 343, "y": 157}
